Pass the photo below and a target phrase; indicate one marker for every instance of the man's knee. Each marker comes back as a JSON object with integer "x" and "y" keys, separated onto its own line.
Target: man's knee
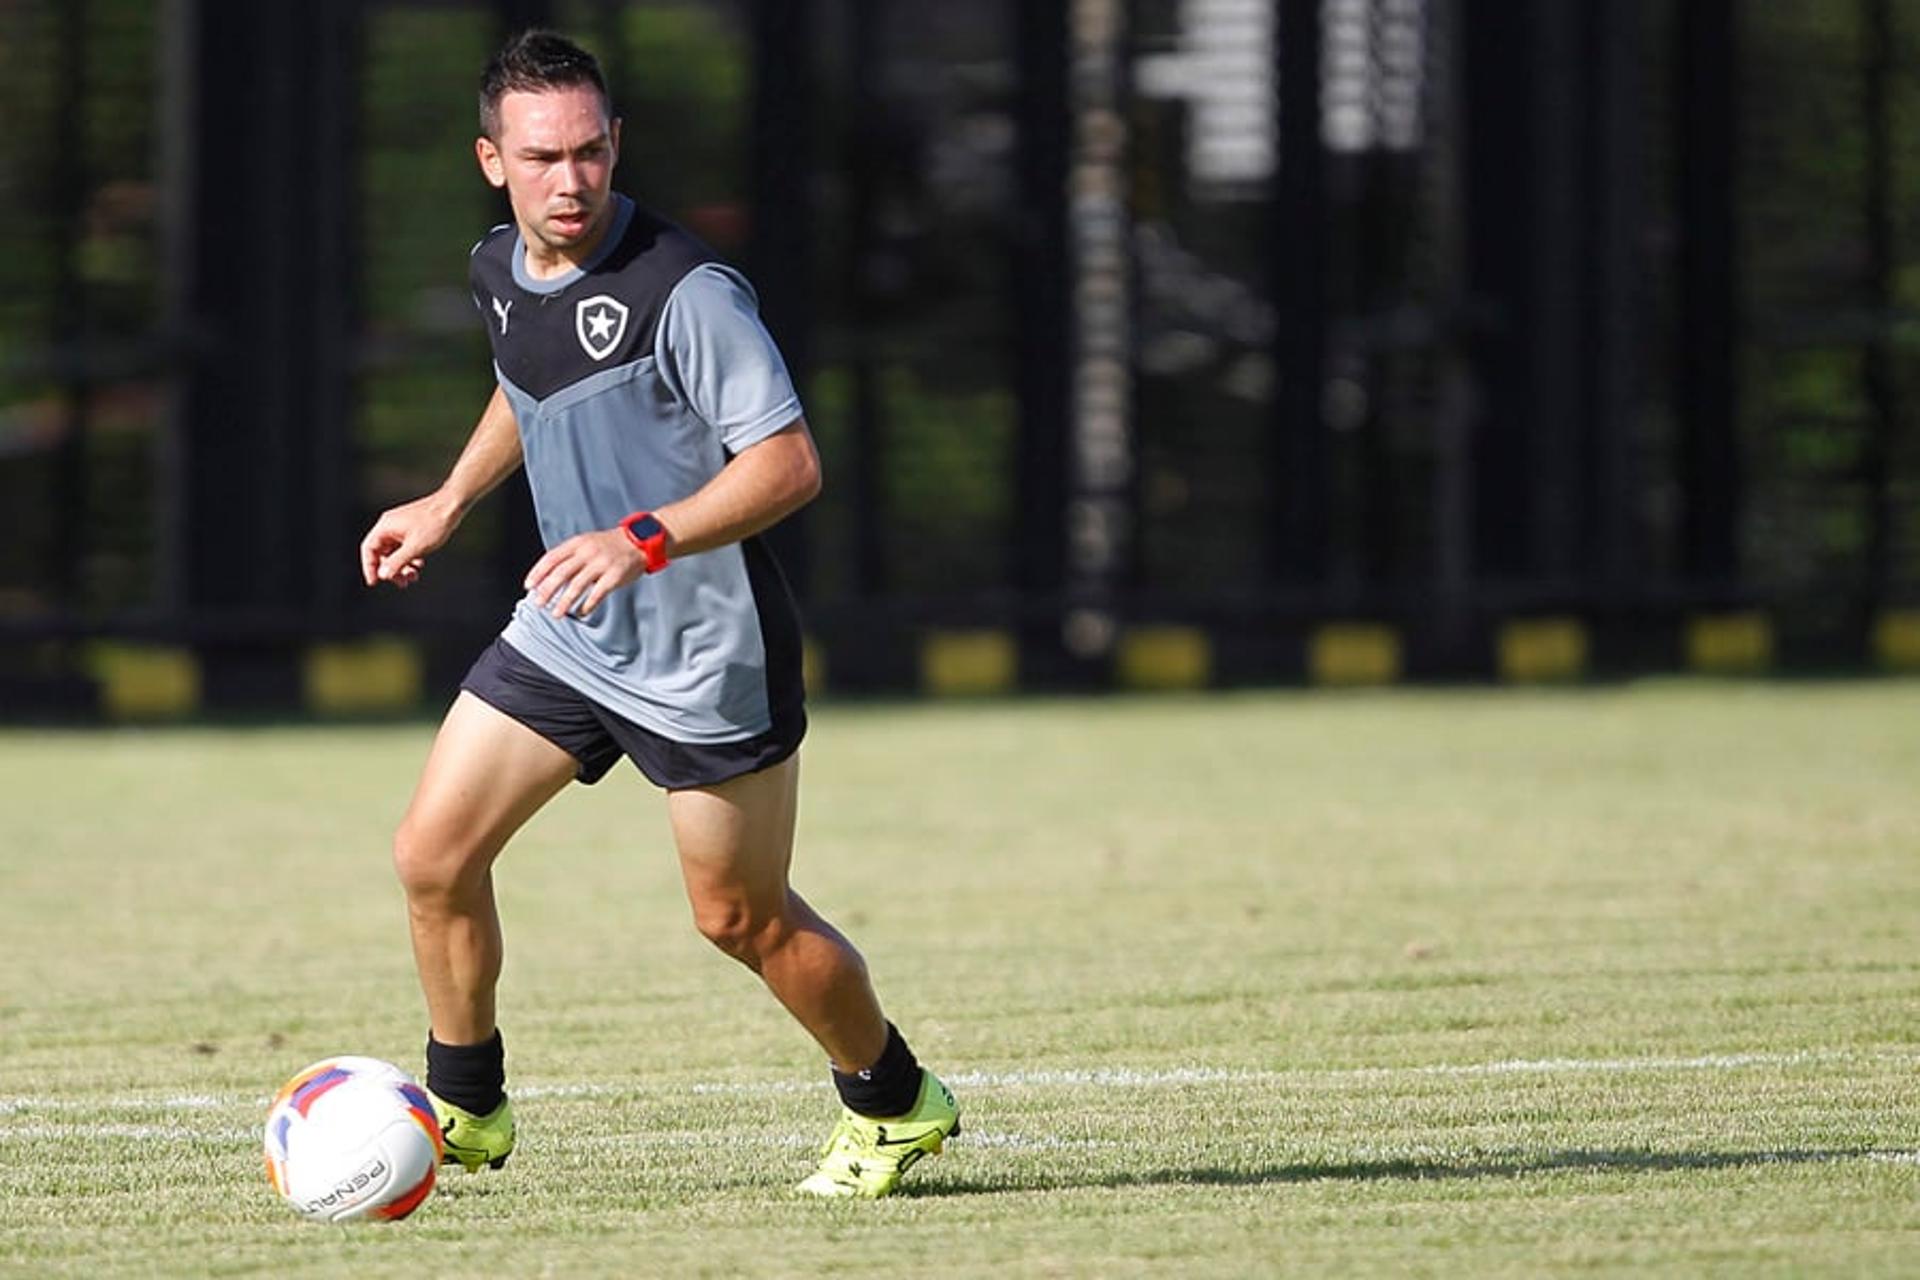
{"x": 435, "y": 864}
{"x": 746, "y": 931}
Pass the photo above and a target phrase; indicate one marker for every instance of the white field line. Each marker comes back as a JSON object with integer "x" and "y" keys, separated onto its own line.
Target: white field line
{"x": 189, "y": 1102}
{"x": 1133, "y": 1078}
{"x": 1103, "y": 1077}
{"x": 138, "y": 1132}
{"x": 682, "y": 1140}
{"x": 1894, "y": 1157}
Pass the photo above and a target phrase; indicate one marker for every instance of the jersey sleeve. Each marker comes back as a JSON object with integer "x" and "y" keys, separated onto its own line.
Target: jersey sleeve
{"x": 476, "y": 287}
{"x": 717, "y": 356}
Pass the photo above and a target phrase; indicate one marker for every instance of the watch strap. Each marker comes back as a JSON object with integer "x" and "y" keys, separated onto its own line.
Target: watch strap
{"x": 648, "y": 535}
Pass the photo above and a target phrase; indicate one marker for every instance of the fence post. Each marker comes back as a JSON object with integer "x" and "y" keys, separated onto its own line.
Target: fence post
{"x": 1298, "y": 535}
{"x": 1041, "y": 328}
{"x": 1710, "y": 472}
{"x": 780, "y": 176}
{"x": 261, "y": 424}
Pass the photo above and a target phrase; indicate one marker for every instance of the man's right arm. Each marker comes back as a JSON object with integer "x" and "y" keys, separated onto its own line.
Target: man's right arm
{"x": 397, "y": 546}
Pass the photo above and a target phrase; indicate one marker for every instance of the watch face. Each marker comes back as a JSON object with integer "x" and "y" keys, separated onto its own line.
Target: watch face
{"x": 643, "y": 528}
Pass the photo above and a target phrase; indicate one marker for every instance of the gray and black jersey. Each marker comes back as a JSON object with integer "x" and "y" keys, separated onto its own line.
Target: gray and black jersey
{"x": 633, "y": 379}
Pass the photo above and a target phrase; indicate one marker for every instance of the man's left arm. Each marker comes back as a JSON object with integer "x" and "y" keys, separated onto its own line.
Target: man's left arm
{"x": 761, "y": 485}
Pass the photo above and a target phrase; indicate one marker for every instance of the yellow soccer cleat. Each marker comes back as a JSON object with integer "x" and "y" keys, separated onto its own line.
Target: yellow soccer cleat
{"x": 472, "y": 1141}
{"x": 865, "y": 1157}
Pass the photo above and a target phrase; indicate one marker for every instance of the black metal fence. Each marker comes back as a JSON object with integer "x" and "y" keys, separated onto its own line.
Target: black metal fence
{"x": 1216, "y": 329}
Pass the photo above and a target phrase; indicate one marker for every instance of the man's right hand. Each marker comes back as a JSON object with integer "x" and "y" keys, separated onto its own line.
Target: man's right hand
{"x": 397, "y": 546}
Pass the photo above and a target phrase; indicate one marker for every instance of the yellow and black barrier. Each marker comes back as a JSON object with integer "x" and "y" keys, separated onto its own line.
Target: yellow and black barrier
{"x": 145, "y": 682}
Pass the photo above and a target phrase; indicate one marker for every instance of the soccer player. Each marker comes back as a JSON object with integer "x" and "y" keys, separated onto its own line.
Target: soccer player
{"x": 661, "y": 434}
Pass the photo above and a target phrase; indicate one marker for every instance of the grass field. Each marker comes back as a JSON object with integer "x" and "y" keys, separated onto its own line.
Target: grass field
{"x": 1442, "y": 983}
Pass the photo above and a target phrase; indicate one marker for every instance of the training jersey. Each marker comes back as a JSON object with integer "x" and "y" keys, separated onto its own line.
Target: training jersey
{"x": 633, "y": 379}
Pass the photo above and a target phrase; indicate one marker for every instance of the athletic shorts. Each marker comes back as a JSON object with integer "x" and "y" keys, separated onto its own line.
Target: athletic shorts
{"x": 508, "y": 681}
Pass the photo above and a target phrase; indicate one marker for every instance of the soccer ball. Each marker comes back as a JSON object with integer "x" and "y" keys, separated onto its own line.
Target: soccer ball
{"x": 352, "y": 1138}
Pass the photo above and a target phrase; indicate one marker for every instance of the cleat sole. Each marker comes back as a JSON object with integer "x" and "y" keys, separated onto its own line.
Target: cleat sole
{"x": 450, "y": 1159}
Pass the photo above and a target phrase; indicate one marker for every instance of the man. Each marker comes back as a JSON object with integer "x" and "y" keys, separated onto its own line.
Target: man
{"x": 661, "y": 434}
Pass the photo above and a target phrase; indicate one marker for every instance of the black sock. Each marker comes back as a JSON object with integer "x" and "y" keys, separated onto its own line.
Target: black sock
{"x": 889, "y": 1087}
{"x": 472, "y": 1077}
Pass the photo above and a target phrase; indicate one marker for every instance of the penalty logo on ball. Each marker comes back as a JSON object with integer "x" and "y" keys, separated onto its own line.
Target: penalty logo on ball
{"x": 352, "y": 1138}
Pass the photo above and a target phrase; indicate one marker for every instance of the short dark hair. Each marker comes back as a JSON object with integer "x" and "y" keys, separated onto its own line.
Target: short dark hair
{"x": 533, "y": 62}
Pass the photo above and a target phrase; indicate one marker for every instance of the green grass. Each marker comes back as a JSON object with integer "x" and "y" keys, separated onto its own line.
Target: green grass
{"x": 1455, "y": 983}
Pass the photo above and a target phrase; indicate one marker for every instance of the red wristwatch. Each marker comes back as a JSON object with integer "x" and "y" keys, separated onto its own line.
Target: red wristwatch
{"x": 648, "y": 534}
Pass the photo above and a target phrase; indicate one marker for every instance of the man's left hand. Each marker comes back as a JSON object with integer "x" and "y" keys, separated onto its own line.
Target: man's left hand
{"x": 577, "y": 575}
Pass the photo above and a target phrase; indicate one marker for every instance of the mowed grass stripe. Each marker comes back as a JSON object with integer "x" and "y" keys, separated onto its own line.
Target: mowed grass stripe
{"x": 1070, "y": 1078}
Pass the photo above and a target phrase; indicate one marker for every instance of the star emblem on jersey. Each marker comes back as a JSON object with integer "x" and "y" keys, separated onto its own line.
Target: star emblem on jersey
{"x": 600, "y": 322}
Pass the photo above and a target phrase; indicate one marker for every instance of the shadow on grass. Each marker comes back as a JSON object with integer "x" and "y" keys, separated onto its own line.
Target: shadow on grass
{"x": 1515, "y": 1165}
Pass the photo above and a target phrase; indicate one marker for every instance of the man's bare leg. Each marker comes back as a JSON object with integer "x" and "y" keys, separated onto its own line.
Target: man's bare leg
{"x": 736, "y": 844}
{"x": 736, "y": 841}
{"x": 486, "y": 775}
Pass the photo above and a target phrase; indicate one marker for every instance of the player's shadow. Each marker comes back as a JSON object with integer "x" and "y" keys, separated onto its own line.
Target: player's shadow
{"x": 1503, "y": 1165}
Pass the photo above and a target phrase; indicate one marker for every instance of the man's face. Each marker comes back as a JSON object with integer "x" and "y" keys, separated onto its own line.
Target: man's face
{"x": 554, "y": 157}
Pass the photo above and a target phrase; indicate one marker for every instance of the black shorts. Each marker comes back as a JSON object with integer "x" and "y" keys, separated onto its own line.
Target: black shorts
{"x": 509, "y": 682}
